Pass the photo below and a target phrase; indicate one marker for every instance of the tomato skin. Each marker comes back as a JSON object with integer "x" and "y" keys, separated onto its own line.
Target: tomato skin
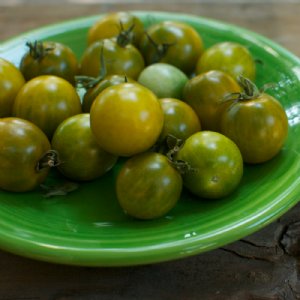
{"x": 216, "y": 162}
{"x": 118, "y": 60}
{"x": 11, "y": 81}
{"x": 22, "y": 145}
{"x": 205, "y": 93}
{"x": 232, "y": 58}
{"x": 59, "y": 60}
{"x": 148, "y": 186}
{"x": 164, "y": 80}
{"x": 110, "y": 26}
{"x": 126, "y": 119}
{"x": 82, "y": 158}
{"x": 180, "y": 120}
{"x": 93, "y": 92}
{"x": 46, "y": 101}
{"x": 259, "y": 127}
{"x": 185, "y": 45}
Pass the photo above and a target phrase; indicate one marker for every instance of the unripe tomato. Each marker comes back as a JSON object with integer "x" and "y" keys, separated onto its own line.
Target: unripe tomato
{"x": 49, "y": 58}
{"x": 180, "y": 120}
{"x": 82, "y": 158}
{"x": 205, "y": 93}
{"x": 148, "y": 186}
{"x": 232, "y": 58}
{"x": 22, "y": 148}
{"x": 172, "y": 42}
{"x": 126, "y": 119}
{"x": 126, "y": 61}
{"x": 123, "y": 24}
{"x": 258, "y": 126}
{"x": 164, "y": 80}
{"x": 11, "y": 81}
{"x": 46, "y": 101}
{"x": 215, "y": 164}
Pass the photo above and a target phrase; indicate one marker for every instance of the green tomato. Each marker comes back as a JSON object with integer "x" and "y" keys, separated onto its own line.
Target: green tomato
{"x": 205, "y": 93}
{"x": 22, "y": 149}
{"x": 82, "y": 158}
{"x": 148, "y": 186}
{"x": 180, "y": 120}
{"x": 215, "y": 164}
{"x": 164, "y": 80}
{"x": 232, "y": 58}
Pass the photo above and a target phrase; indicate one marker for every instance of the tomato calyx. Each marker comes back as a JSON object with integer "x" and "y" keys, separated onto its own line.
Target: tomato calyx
{"x": 49, "y": 160}
{"x": 37, "y": 49}
{"x": 160, "y": 49}
{"x": 125, "y": 37}
{"x": 170, "y": 147}
{"x": 249, "y": 91}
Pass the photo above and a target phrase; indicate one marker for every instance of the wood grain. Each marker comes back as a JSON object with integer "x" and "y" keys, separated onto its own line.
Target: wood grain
{"x": 261, "y": 266}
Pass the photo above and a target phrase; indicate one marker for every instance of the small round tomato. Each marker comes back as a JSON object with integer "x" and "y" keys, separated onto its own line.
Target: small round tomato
{"x": 164, "y": 80}
{"x": 148, "y": 186}
{"x": 232, "y": 58}
{"x": 11, "y": 81}
{"x": 117, "y": 24}
{"x": 49, "y": 58}
{"x": 82, "y": 158}
{"x": 172, "y": 42}
{"x": 206, "y": 92}
{"x": 258, "y": 125}
{"x": 96, "y": 89}
{"x": 215, "y": 164}
{"x": 180, "y": 120}
{"x": 126, "y": 119}
{"x": 23, "y": 155}
{"x": 121, "y": 60}
{"x": 46, "y": 101}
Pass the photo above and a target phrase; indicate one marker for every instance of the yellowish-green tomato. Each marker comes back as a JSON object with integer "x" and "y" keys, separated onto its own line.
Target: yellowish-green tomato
{"x": 11, "y": 81}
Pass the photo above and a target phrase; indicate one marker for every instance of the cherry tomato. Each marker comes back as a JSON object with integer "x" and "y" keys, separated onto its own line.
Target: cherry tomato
{"x": 172, "y": 42}
{"x": 206, "y": 92}
{"x": 121, "y": 24}
{"x": 232, "y": 58}
{"x": 258, "y": 125}
{"x": 11, "y": 81}
{"x": 46, "y": 101}
{"x": 180, "y": 120}
{"x": 126, "y": 119}
{"x": 23, "y": 146}
{"x": 49, "y": 58}
{"x": 148, "y": 186}
{"x": 118, "y": 60}
{"x": 164, "y": 80}
{"x": 82, "y": 158}
{"x": 215, "y": 164}
{"x": 95, "y": 90}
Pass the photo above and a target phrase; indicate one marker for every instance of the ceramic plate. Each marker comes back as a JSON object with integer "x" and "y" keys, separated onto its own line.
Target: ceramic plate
{"x": 87, "y": 227}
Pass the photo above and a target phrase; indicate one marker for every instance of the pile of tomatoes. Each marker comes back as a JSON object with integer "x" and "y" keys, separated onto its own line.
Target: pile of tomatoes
{"x": 181, "y": 115}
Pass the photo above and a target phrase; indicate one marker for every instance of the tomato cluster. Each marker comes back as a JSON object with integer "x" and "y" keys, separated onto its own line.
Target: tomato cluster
{"x": 181, "y": 115}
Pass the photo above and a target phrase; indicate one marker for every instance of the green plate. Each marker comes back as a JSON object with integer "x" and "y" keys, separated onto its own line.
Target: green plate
{"x": 87, "y": 227}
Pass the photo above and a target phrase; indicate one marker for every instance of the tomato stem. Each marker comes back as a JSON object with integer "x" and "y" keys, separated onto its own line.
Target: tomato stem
{"x": 37, "y": 49}
{"x": 160, "y": 49}
{"x": 250, "y": 91}
{"x": 49, "y": 160}
{"x": 125, "y": 36}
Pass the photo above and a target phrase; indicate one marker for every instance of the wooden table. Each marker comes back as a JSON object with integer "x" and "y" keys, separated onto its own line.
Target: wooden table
{"x": 261, "y": 266}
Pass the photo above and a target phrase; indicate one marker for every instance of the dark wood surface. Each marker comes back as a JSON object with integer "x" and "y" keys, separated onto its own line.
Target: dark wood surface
{"x": 264, "y": 265}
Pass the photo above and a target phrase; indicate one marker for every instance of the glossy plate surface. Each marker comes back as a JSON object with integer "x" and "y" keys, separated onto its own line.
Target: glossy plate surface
{"x": 87, "y": 227}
